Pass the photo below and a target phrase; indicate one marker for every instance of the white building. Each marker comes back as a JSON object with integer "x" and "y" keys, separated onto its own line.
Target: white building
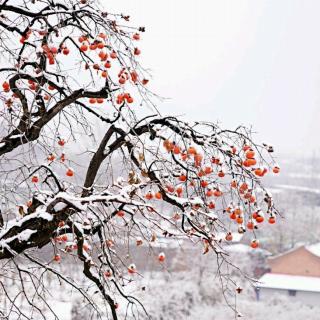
{"x": 301, "y": 288}
{"x": 295, "y": 273}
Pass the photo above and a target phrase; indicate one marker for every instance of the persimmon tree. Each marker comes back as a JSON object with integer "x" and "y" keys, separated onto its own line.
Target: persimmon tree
{"x": 72, "y": 79}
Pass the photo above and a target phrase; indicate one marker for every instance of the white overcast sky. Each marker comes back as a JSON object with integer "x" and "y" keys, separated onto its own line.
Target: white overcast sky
{"x": 251, "y": 62}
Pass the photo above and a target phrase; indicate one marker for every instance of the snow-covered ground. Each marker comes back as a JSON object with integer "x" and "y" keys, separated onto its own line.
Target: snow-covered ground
{"x": 183, "y": 296}
{"x": 184, "y": 299}
{"x": 171, "y": 294}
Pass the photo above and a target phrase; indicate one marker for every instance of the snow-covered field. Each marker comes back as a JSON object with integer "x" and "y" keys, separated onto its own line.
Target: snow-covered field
{"x": 171, "y": 294}
{"x": 181, "y": 296}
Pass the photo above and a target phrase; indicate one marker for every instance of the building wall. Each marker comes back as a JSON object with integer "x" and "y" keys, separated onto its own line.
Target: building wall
{"x": 297, "y": 262}
{"x": 310, "y": 298}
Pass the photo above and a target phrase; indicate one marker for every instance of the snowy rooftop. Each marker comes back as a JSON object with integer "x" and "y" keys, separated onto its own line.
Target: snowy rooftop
{"x": 244, "y": 248}
{"x": 238, "y": 248}
{"x": 314, "y": 249}
{"x": 289, "y": 282}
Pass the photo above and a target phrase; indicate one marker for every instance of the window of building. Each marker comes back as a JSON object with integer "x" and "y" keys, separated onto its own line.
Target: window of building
{"x": 292, "y": 293}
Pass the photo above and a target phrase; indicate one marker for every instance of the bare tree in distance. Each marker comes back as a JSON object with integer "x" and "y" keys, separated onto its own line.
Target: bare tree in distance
{"x": 67, "y": 68}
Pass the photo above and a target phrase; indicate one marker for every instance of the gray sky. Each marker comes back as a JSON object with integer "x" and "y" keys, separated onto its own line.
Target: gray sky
{"x": 237, "y": 62}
